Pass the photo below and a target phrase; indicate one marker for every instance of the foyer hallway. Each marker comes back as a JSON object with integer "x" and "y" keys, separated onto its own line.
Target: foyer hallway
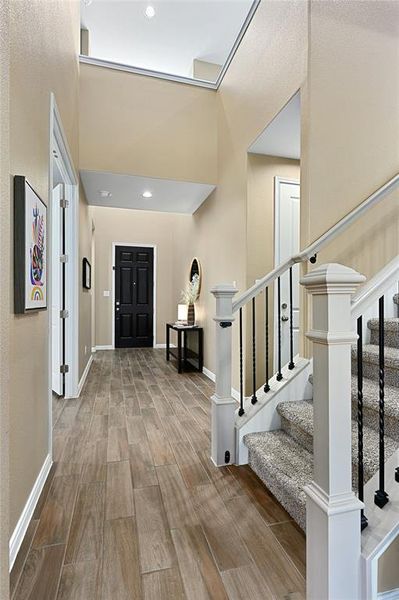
{"x": 134, "y": 508}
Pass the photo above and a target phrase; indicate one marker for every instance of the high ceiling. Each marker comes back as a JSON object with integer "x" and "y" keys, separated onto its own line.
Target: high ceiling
{"x": 179, "y": 32}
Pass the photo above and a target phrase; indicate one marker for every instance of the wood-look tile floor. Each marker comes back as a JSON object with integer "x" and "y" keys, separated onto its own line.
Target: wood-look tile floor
{"x": 134, "y": 509}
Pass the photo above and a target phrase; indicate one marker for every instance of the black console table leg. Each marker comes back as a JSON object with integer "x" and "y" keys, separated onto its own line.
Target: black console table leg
{"x": 179, "y": 351}
{"x": 167, "y": 341}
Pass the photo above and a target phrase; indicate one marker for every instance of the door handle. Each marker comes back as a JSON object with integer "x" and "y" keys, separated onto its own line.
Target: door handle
{"x": 285, "y": 318}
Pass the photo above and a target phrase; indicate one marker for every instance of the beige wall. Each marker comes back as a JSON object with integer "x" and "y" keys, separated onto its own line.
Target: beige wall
{"x": 351, "y": 107}
{"x": 388, "y": 575}
{"x": 135, "y": 227}
{"x": 85, "y": 296}
{"x": 44, "y": 40}
{"x": 145, "y": 126}
{"x": 267, "y": 70}
{"x": 5, "y": 227}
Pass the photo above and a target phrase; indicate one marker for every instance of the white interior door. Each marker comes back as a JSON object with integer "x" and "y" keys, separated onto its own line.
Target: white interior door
{"x": 56, "y": 291}
{"x": 287, "y": 215}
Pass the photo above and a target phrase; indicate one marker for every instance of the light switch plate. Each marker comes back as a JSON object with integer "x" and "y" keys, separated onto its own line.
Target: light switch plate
{"x": 106, "y": 293}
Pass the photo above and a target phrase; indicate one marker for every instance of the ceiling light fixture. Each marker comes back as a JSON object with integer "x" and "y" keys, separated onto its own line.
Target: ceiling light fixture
{"x": 150, "y": 12}
{"x": 105, "y": 193}
{"x": 147, "y": 194}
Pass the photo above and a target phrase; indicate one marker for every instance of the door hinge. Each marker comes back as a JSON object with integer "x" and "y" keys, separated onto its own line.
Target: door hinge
{"x": 64, "y": 369}
{"x": 64, "y": 203}
{"x": 64, "y": 314}
{"x": 64, "y": 258}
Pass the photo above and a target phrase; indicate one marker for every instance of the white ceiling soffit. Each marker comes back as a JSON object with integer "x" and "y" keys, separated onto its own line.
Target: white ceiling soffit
{"x": 127, "y": 191}
{"x": 282, "y": 137}
{"x": 167, "y": 43}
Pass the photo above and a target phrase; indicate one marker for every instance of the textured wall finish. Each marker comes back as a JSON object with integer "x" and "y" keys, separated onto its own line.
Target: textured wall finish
{"x": 4, "y": 296}
{"x": 44, "y": 41}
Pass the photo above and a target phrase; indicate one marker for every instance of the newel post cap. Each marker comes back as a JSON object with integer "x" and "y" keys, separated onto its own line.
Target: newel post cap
{"x": 224, "y": 290}
{"x": 332, "y": 277}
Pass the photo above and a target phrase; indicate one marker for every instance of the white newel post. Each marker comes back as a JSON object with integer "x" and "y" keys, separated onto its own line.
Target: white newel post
{"x": 332, "y": 509}
{"x": 223, "y": 405}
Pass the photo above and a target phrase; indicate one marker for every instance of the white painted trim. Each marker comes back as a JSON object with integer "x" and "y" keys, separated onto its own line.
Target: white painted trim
{"x": 178, "y": 78}
{"x": 234, "y": 393}
{"x": 29, "y": 508}
{"x": 276, "y": 234}
{"x": 164, "y": 346}
{"x": 109, "y": 347}
{"x": 375, "y": 287}
{"x": 85, "y": 374}
{"x": 390, "y": 595}
{"x": 58, "y": 141}
{"x": 154, "y": 312}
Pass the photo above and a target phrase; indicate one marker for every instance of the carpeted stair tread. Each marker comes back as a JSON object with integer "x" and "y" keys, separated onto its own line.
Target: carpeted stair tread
{"x": 300, "y": 414}
{"x": 391, "y": 332}
{"x": 371, "y": 395}
{"x": 371, "y": 353}
{"x": 371, "y": 363}
{"x": 284, "y": 466}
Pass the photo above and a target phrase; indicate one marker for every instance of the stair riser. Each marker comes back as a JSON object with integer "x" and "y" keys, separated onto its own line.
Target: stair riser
{"x": 303, "y": 438}
{"x": 371, "y": 371}
{"x": 370, "y": 419}
{"x": 294, "y": 505}
{"x": 391, "y": 338}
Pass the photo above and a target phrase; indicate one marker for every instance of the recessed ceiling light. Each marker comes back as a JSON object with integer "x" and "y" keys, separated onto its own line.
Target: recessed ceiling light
{"x": 147, "y": 194}
{"x": 150, "y": 12}
{"x": 105, "y": 193}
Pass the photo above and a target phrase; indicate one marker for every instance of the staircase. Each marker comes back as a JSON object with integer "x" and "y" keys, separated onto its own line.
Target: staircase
{"x": 283, "y": 459}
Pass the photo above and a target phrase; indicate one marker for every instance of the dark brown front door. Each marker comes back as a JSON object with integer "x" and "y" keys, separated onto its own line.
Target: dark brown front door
{"x": 134, "y": 296}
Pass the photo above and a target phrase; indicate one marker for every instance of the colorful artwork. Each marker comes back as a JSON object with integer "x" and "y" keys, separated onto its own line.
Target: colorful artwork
{"x": 30, "y": 248}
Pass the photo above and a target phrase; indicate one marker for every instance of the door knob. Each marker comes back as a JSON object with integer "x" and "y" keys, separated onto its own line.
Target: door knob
{"x": 284, "y": 318}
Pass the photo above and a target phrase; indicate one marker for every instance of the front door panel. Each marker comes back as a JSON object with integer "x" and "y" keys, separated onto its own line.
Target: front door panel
{"x": 134, "y": 301}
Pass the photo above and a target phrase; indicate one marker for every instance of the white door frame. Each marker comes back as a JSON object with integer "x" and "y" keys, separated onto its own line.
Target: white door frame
{"x": 59, "y": 151}
{"x": 154, "y": 314}
{"x": 277, "y": 260}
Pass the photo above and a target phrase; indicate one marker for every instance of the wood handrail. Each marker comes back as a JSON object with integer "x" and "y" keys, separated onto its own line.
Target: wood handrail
{"x": 316, "y": 246}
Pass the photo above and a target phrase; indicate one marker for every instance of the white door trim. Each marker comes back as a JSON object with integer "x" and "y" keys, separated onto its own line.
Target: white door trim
{"x": 59, "y": 151}
{"x": 154, "y": 315}
{"x": 277, "y": 260}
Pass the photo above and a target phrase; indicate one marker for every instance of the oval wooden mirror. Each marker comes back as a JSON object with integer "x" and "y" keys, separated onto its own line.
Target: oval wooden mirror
{"x": 195, "y": 269}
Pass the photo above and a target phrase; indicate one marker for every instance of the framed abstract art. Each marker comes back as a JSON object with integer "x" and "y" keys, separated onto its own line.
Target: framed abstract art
{"x": 30, "y": 248}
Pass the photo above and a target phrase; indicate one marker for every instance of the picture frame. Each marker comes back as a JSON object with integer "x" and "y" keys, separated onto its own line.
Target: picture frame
{"x": 30, "y": 248}
{"x": 86, "y": 274}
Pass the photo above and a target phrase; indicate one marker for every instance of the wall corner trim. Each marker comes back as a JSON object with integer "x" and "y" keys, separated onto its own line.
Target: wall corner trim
{"x": 85, "y": 374}
{"x": 27, "y": 513}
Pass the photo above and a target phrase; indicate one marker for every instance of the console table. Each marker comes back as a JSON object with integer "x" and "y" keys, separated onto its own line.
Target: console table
{"x": 187, "y": 359}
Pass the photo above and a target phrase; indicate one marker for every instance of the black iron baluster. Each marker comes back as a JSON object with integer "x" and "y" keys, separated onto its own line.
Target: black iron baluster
{"x": 291, "y": 364}
{"x": 381, "y": 497}
{"x": 241, "y": 409}
{"x": 279, "y": 375}
{"x": 360, "y": 465}
{"x": 267, "y": 386}
{"x": 254, "y": 398}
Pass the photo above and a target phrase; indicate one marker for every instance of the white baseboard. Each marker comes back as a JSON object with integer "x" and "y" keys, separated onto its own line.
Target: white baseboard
{"x": 107, "y": 347}
{"x": 164, "y": 345}
{"x": 234, "y": 393}
{"x": 27, "y": 513}
{"x": 85, "y": 374}
{"x": 391, "y": 595}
